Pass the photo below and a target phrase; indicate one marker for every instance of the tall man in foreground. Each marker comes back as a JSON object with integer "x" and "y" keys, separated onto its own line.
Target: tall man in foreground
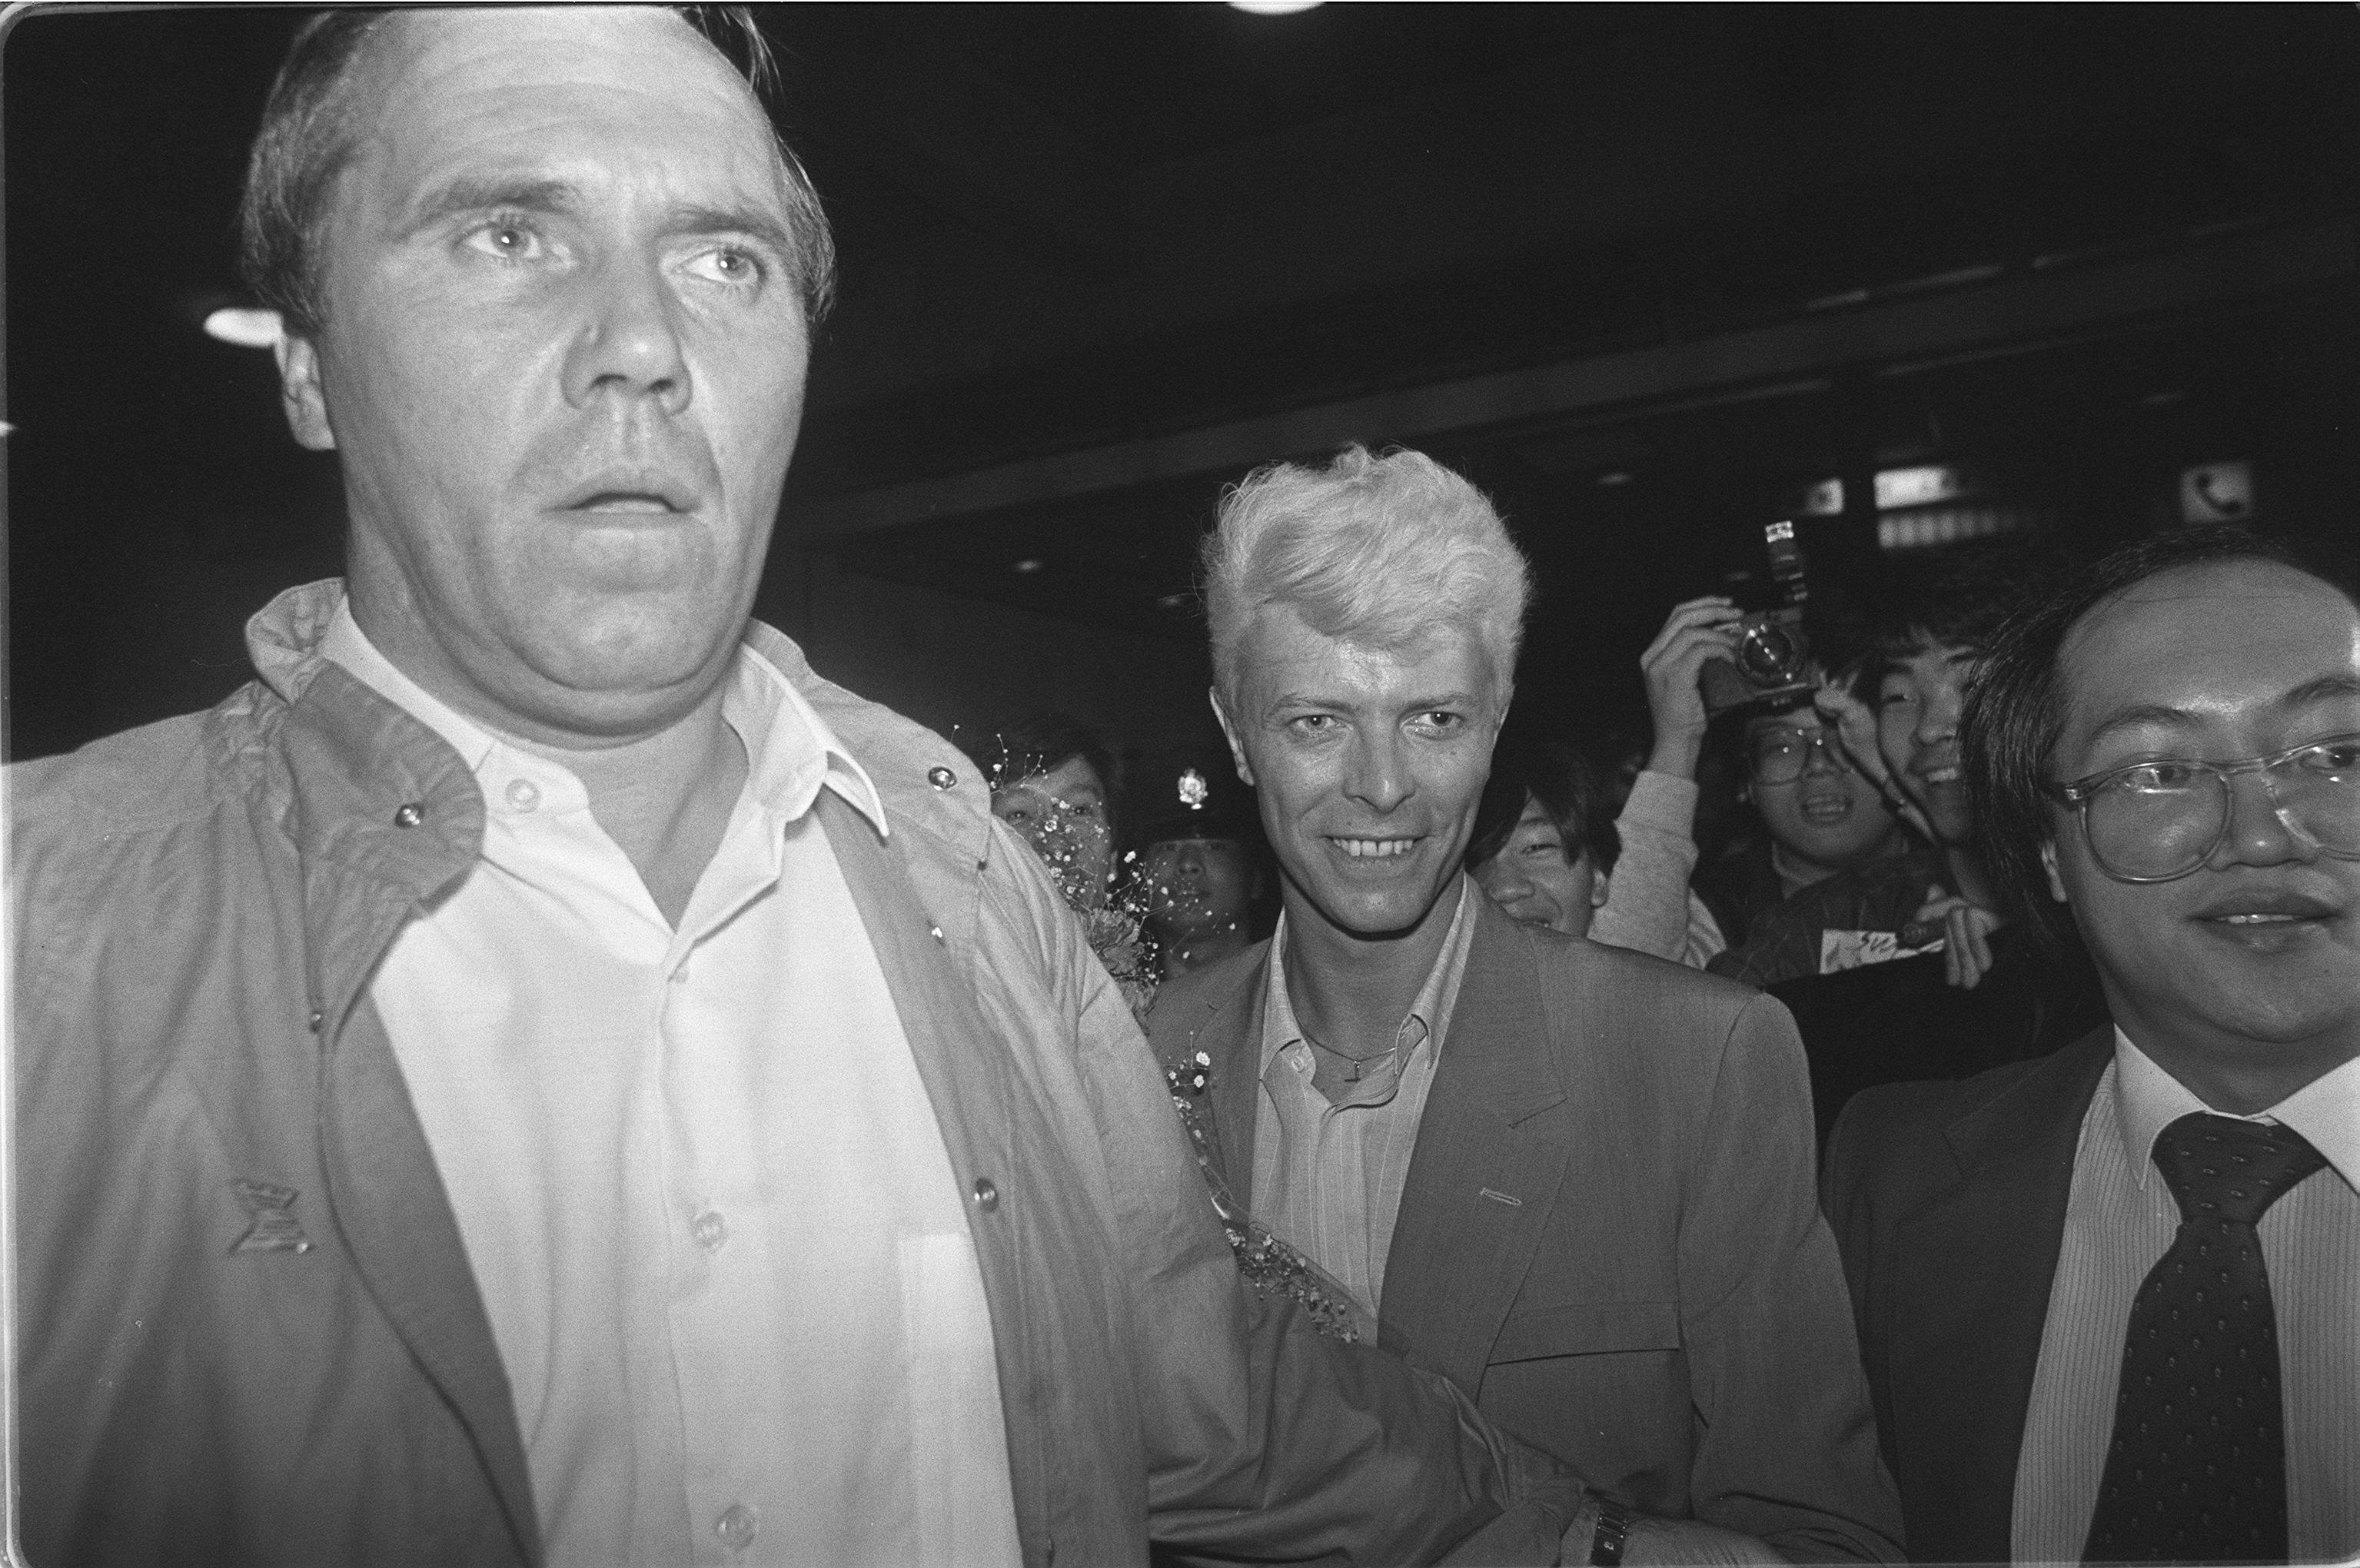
{"x": 1575, "y": 1179}
{"x": 541, "y": 1076}
{"x": 2110, "y": 1300}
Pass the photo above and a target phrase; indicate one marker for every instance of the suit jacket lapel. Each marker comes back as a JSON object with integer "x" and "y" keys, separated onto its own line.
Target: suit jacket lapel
{"x": 1226, "y": 1025}
{"x": 1968, "y": 1282}
{"x": 1487, "y": 1167}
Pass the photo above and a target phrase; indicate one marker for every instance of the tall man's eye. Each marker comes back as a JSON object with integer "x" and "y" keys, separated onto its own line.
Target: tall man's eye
{"x": 507, "y": 240}
{"x": 730, "y": 264}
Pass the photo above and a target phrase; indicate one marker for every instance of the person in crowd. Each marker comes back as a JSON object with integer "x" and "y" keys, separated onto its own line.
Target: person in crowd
{"x": 1931, "y": 631}
{"x": 1837, "y": 879}
{"x": 1539, "y": 849}
{"x": 2110, "y": 1300}
{"x": 1200, "y": 866}
{"x": 1057, "y": 780}
{"x": 541, "y": 1076}
{"x": 1823, "y": 825}
{"x": 1513, "y": 1147}
{"x": 1543, "y": 849}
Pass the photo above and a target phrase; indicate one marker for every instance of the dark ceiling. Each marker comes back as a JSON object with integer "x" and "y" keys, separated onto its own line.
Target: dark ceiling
{"x": 1098, "y": 260}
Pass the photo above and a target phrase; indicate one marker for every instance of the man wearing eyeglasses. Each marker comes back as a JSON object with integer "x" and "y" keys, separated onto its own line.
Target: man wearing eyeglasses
{"x": 2110, "y": 1300}
{"x": 1849, "y": 877}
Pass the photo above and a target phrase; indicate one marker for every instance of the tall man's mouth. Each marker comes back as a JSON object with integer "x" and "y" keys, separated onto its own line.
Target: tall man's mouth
{"x": 630, "y": 490}
{"x": 1374, "y": 848}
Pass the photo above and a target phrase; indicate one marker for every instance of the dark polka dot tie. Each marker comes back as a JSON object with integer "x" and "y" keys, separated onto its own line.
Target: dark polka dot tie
{"x": 2197, "y": 1469}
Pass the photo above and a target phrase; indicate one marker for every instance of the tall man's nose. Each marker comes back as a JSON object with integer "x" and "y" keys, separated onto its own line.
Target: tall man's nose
{"x": 628, "y": 341}
{"x": 1378, "y": 773}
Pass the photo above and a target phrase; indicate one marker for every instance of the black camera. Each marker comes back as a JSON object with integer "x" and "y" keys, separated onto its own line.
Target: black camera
{"x": 1768, "y": 670}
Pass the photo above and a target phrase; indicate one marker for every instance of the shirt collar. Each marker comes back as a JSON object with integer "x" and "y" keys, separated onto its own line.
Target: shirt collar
{"x": 790, "y": 751}
{"x": 2325, "y": 1111}
{"x": 1432, "y": 1008}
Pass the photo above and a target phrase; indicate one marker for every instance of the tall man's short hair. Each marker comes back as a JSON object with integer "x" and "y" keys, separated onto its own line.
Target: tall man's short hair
{"x": 2014, "y": 715}
{"x": 306, "y": 138}
{"x": 1377, "y": 549}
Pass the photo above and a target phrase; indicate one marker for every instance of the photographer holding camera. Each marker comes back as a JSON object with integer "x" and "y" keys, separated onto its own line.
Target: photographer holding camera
{"x": 1833, "y": 855}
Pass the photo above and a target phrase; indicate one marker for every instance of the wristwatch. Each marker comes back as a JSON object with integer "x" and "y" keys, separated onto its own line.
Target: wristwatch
{"x": 1614, "y": 1523}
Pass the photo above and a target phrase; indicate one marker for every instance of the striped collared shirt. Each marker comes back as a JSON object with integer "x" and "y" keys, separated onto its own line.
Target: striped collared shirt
{"x": 2120, "y": 1217}
{"x": 1328, "y": 1177}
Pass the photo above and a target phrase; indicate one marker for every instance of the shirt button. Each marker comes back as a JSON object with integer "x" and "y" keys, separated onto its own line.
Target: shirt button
{"x": 710, "y": 1230}
{"x": 522, "y": 795}
{"x": 738, "y": 1526}
{"x": 986, "y": 1196}
{"x": 941, "y": 778}
{"x": 408, "y": 814}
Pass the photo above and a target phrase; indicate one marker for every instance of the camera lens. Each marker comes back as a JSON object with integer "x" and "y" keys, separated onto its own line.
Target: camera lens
{"x": 1769, "y": 655}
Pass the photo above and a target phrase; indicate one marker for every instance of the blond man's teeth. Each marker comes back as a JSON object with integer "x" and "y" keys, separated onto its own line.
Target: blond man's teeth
{"x": 1375, "y": 848}
{"x": 1941, "y": 775}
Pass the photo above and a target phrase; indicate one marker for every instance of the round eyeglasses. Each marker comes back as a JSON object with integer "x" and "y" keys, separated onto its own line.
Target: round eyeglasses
{"x": 1781, "y": 756}
{"x": 2158, "y": 820}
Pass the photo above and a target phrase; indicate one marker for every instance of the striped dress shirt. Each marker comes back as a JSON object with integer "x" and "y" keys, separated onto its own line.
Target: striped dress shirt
{"x": 2120, "y": 1217}
{"x": 1328, "y": 1177}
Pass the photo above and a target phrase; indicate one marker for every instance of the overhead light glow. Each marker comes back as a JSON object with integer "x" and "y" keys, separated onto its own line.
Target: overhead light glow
{"x": 1029, "y": 565}
{"x": 1617, "y": 478}
{"x": 246, "y": 329}
{"x": 1898, "y": 487}
{"x": 1273, "y": 8}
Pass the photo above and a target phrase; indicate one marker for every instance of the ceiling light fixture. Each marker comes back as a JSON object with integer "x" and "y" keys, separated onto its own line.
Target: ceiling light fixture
{"x": 246, "y": 328}
{"x": 1617, "y": 478}
{"x": 1029, "y": 565}
{"x": 1273, "y": 8}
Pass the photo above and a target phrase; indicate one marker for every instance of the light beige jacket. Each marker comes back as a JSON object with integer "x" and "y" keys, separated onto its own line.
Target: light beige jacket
{"x": 201, "y": 1083}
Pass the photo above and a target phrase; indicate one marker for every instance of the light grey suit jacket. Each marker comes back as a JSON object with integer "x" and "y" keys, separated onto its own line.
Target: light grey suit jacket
{"x": 1608, "y": 1233}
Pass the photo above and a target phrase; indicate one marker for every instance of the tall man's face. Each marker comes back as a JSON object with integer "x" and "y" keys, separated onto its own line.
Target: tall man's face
{"x": 563, "y": 361}
{"x": 1369, "y": 764}
{"x": 2255, "y": 954}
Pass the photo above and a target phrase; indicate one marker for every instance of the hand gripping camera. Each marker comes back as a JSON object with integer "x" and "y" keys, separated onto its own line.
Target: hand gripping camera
{"x": 1768, "y": 669}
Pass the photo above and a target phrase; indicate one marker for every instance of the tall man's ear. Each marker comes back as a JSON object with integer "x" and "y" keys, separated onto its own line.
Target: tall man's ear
{"x": 2049, "y": 865}
{"x": 301, "y": 394}
{"x": 1229, "y": 729}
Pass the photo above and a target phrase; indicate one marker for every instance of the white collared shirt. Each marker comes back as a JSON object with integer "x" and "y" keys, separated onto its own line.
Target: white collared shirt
{"x": 2120, "y": 1217}
{"x": 702, "y": 1189}
{"x": 1328, "y": 1177}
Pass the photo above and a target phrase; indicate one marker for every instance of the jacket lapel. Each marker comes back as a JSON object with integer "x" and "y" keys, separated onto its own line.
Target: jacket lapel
{"x": 1968, "y": 1282}
{"x": 354, "y": 759}
{"x": 1226, "y": 1025}
{"x": 395, "y": 1216}
{"x": 1487, "y": 1168}
{"x": 946, "y": 1032}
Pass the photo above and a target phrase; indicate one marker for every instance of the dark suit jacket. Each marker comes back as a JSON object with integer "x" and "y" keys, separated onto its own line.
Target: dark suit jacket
{"x": 1608, "y": 1233}
{"x": 1948, "y": 1201}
